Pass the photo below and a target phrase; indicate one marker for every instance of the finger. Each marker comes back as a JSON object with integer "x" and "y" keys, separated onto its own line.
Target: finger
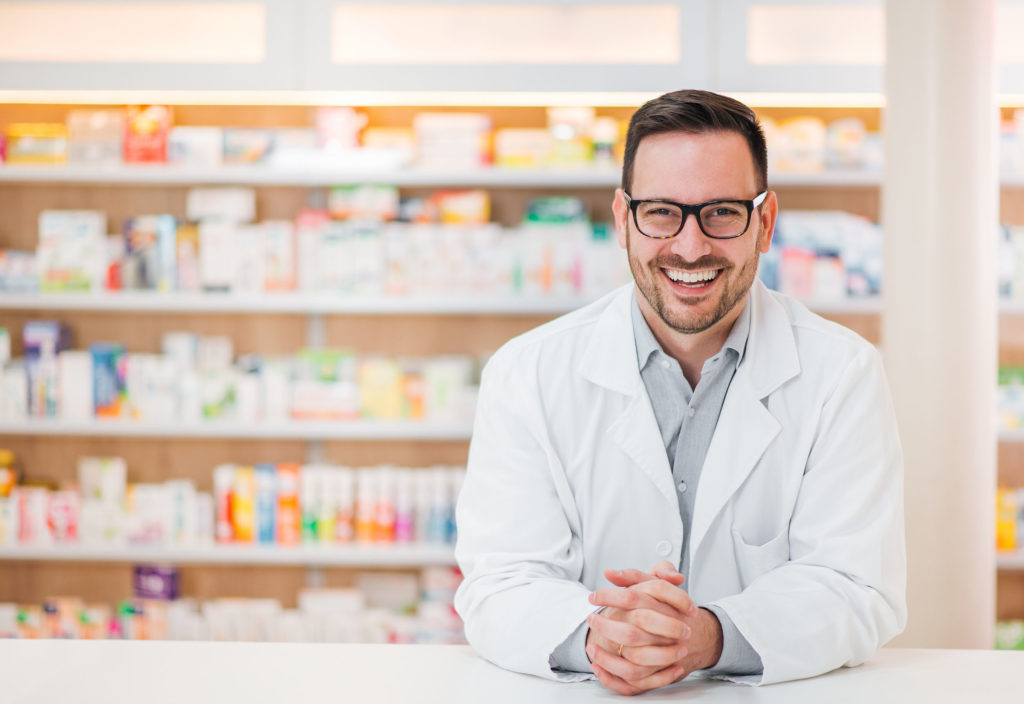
{"x": 657, "y": 656}
{"x": 627, "y": 577}
{"x": 618, "y": 666}
{"x": 672, "y": 627}
{"x": 667, "y": 571}
{"x": 630, "y": 599}
{"x": 669, "y": 594}
{"x": 645, "y": 595}
{"x": 616, "y": 684}
{"x": 661, "y": 678}
{"x": 623, "y": 632}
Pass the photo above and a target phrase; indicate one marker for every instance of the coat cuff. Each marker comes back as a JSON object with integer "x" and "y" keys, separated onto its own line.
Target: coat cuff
{"x": 571, "y": 654}
{"x": 738, "y": 656}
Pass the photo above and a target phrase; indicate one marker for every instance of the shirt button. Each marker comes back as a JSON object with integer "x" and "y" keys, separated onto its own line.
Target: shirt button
{"x": 665, "y": 363}
{"x": 663, "y": 548}
{"x": 681, "y": 487}
{"x": 690, "y": 412}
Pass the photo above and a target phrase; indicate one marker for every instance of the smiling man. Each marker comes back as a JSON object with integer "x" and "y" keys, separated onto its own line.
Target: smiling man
{"x": 693, "y": 474}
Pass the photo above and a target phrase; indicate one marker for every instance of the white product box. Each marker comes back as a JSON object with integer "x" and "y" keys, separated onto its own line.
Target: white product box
{"x": 217, "y": 255}
{"x": 250, "y": 259}
{"x": 279, "y": 255}
{"x": 102, "y": 479}
{"x": 71, "y": 253}
{"x": 195, "y": 146}
{"x": 235, "y": 205}
{"x": 75, "y": 395}
{"x": 14, "y": 393}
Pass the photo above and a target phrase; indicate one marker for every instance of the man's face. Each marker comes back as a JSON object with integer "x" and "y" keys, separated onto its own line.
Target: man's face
{"x": 692, "y": 169}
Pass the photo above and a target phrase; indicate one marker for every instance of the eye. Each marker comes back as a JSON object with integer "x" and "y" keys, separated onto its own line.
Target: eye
{"x": 724, "y": 211}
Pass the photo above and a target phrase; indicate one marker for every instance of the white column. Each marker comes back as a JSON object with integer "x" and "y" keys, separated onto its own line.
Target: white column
{"x": 939, "y": 210}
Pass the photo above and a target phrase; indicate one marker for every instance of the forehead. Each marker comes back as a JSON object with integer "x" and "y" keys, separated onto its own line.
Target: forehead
{"x": 692, "y": 168}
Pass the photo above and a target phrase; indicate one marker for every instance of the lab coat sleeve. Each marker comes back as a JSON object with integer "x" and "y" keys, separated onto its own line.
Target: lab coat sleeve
{"x": 841, "y": 594}
{"x": 518, "y": 538}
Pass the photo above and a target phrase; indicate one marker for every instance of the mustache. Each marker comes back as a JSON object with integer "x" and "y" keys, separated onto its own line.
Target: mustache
{"x": 702, "y": 264}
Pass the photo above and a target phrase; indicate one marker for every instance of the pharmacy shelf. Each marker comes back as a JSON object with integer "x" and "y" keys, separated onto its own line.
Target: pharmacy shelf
{"x": 1011, "y": 435}
{"x": 292, "y": 430}
{"x": 156, "y": 302}
{"x": 257, "y": 175}
{"x": 1010, "y": 560}
{"x": 411, "y": 555}
{"x": 869, "y": 305}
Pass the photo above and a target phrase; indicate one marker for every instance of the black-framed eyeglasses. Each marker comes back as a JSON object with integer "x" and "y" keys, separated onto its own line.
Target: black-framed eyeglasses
{"x": 718, "y": 219}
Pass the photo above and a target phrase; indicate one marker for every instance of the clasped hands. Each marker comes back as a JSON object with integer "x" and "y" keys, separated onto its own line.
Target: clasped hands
{"x": 650, "y": 633}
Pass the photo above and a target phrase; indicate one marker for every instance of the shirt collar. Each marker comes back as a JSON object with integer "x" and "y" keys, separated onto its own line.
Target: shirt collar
{"x": 647, "y": 344}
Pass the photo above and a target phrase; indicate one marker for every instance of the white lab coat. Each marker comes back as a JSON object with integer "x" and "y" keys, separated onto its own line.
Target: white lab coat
{"x": 798, "y": 523}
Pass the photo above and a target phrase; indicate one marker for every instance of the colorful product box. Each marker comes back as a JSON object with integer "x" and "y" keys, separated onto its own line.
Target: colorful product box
{"x": 156, "y": 582}
{"x": 36, "y": 143}
{"x": 243, "y": 498}
{"x": 146, "y": 131}
{"x": 108, "y": 378}
{"x": 150, "y": 253}
{"x": 266, "y": 503}
{"x": 43, "y": 340}
{"x": 289, "y": 515}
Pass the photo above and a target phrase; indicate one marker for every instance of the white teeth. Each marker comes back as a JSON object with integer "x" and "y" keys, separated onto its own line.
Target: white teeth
{"x": 694, "y": 277}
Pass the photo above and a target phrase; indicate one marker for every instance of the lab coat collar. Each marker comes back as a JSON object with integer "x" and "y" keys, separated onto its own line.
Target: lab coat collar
{"x": 770, "y": 356}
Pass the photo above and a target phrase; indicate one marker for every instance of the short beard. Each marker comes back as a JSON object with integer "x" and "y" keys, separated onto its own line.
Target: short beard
{"x": 730, "y": 297}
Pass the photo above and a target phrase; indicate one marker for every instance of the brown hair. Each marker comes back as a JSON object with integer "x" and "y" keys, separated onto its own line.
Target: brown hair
{"x": 695, "y": 112}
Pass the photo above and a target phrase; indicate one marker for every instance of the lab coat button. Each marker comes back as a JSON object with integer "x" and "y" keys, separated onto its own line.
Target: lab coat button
{"x": 663, "y": 548}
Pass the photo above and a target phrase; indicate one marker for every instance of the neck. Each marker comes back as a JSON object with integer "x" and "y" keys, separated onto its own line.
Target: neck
{"x": 691, "y": 350}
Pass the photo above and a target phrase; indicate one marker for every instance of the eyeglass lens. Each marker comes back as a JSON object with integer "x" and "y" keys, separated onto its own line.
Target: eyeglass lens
{"x": 724, "y": 219}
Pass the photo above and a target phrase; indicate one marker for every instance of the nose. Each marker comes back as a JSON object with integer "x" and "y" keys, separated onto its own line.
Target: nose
{"x": 691, "y": 243}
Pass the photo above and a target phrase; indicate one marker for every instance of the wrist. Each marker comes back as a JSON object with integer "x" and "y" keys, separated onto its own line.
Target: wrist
{"x": 712, "y": 639}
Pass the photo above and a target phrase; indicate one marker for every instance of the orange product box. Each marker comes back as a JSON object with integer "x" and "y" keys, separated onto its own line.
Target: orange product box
{"x": 243, "y": 498}
{"x": 289, "y": 516}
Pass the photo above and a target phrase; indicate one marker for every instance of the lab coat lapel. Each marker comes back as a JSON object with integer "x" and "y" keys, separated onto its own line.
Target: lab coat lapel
{"x": 610, "y": 362}
{"x": 746, "y": 427}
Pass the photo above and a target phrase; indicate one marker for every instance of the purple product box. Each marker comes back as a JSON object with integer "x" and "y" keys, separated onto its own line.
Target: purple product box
{"x": 155, "y": 582}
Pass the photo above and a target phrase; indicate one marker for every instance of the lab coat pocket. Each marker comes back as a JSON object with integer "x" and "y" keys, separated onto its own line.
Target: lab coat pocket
{"x": 755, "y": 560}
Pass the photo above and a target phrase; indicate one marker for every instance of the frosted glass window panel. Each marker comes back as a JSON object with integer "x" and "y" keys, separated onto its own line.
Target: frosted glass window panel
{"x": 390, "y": 34}
{"x": 1010, "y": 33}
{"x": 135, "y": 32}
{"x": 786, "y": 34}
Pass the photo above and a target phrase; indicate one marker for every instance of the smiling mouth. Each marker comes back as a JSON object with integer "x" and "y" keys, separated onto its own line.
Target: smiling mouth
{"x": 692, "y": 279}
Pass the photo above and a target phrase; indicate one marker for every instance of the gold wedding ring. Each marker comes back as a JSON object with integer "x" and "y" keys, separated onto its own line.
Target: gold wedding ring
{"x": 620, "y": 650}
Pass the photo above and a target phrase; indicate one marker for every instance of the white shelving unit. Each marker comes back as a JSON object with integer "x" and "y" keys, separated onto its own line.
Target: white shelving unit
{"x": 291, "y": 430}
{"x": 262, "y": 175}
{"x": 1010, "y": 560}
{"x": 1011, "y": 435}
{"x": 303, "y": 303}
{"x": 326, "y": 304}
{"x": 355, "y": 555}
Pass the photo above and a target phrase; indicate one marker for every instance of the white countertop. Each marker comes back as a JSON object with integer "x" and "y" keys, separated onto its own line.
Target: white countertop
{"x": 111, "y": 672}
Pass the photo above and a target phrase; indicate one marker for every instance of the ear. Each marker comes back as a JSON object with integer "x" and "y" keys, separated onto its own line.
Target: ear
{"x": 769, "y": 211}
{"x": 621, "y": 212}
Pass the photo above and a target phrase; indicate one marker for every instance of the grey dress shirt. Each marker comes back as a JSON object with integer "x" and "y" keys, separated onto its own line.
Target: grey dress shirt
{"x": 691, "y": 414}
